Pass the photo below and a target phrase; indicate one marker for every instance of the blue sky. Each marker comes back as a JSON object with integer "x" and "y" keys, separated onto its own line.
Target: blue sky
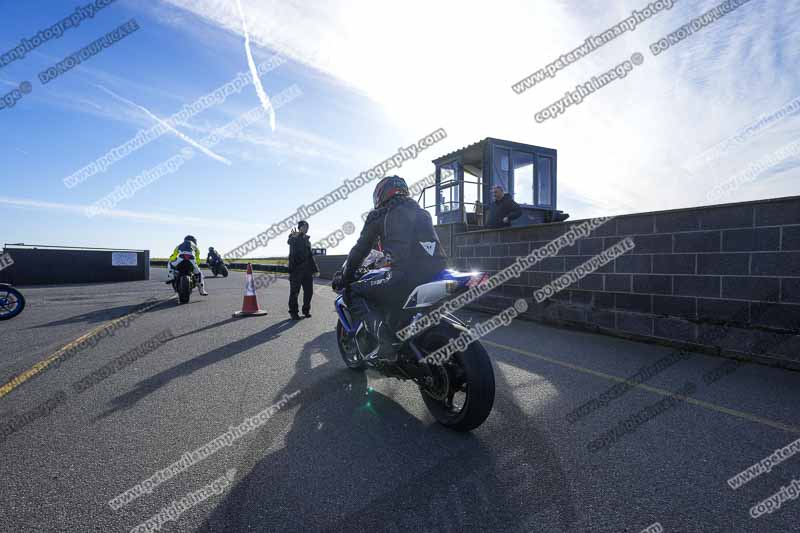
{"x": 375, "y": 76}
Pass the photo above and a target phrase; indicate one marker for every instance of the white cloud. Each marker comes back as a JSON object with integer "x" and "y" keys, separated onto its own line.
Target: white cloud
{"x": 166, "y": 218}
{"x": 451, "y": 64}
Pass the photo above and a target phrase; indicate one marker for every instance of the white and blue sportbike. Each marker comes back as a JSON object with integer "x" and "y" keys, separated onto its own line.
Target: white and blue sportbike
{"x": 458, "y": 391}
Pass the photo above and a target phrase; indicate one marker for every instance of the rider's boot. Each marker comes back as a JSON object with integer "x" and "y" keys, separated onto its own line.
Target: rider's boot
{"x": 388, "y": 344}
{"x": 374, "y": 325}
{"x": 203, "y": 288}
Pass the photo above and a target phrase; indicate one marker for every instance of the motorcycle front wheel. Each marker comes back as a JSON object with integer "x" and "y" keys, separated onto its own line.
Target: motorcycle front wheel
{"x": 12, "y": 302}
{"x": 348, "y": 349}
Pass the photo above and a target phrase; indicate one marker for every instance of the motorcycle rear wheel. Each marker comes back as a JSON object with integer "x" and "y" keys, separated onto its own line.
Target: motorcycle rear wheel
{"x": 184, "y": 289}
{"x": 468, "y": 374}
{"x": 224, "y": 270}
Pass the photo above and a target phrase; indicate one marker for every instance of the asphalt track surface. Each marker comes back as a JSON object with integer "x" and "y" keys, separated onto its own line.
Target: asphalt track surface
{"x": 358, "y": 452}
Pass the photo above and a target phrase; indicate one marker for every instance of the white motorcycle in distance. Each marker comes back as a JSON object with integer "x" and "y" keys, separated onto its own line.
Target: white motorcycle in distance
{"x": 184, "y": 279}
{"x": 459, "y": 392}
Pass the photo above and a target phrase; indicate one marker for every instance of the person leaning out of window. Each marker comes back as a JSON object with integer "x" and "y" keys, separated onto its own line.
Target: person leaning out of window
{"x": 503, "y": 210}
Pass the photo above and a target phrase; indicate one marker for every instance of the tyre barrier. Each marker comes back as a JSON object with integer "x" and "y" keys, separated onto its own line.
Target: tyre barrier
{"x": 235, "y": 266}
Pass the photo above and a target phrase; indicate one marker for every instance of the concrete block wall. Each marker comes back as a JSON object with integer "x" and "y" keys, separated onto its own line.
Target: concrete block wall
{"x": 52, "y": 265}
{"x": 725, "y": 278}
{"x": 329, "y": 264}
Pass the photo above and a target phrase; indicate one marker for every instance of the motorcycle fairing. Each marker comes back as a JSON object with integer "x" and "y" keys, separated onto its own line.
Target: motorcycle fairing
{"x": 446, "y": 283}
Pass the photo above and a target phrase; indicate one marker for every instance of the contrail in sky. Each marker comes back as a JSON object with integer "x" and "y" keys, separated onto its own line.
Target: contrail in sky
{"x": 186, "y": 138}
{"x": 256, "y": 80}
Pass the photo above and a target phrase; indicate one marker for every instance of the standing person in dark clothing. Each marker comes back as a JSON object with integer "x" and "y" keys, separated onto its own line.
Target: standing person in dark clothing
{"x": 302, "y": 268}
{"x": 503, "y": 210}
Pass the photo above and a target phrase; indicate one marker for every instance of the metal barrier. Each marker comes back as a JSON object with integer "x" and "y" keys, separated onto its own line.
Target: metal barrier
{"x": 35, "y": 264}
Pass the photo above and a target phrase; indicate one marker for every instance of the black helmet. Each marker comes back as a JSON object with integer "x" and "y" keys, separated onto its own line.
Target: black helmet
{"x": 387, "y": 188}
{"x": 190, "y": 238}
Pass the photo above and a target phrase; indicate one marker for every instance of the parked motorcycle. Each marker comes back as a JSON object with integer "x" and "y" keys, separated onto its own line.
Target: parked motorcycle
{"x": 459, "y": 393}
{"x": 218, "y": 267}
{"x": 185, "y": 280}
{"x": 12, "y": 302}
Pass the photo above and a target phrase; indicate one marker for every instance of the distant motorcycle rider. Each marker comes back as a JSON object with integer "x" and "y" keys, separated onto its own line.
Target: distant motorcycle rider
{"x": 213, "y": 257}
{"x": 411, "y": 247}
{"x": 187, "y": 247}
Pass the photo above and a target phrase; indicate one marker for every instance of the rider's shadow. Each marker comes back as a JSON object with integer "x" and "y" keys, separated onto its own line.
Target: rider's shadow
{"x": 341, "y": 457}
{"x": 153, "y": 383}
{"x": 96, "y": 316}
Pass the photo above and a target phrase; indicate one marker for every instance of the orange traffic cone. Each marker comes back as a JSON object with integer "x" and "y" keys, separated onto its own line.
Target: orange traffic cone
{"x": 250, "y": 302}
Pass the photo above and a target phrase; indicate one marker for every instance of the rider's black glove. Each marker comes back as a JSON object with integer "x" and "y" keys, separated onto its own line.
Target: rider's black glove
{"x": 347, "y": 296}
{"x": 338, "y": 281}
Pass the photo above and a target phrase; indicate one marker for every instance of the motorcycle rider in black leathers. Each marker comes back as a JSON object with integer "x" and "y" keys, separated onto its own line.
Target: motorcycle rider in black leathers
{"x": 213, "y": 257}
{"x": 411, "y": 247}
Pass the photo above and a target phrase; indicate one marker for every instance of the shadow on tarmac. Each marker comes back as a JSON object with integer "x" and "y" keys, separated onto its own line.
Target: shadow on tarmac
{"x": 95, "y": 317}
{"x": 342, "y": 457}
{"x": 153, "y": 383}
{"x": 206, "y": 328}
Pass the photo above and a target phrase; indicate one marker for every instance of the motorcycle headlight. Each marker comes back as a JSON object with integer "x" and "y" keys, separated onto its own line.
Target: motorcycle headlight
{"x": 478, "y": 279}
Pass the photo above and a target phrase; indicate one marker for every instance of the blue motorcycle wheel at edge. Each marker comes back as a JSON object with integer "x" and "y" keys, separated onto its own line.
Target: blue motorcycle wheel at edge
{"x": 12, "y": 302}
